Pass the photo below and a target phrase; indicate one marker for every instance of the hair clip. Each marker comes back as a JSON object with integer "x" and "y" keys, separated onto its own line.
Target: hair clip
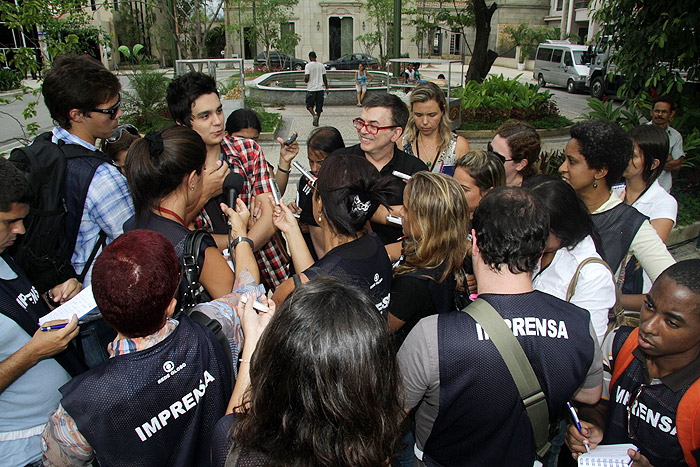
{"x": 155, "y": 143}
{"x": 359, "y": 206}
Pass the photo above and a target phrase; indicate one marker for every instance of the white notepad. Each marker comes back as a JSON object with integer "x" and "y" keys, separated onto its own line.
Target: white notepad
{"x": 610, "y": 455}
{"x": 80, "y": 305}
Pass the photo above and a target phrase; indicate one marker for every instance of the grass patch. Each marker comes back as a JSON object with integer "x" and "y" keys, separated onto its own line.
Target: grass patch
{"x": 269, "y": 120}
{"x": 546, "y": 123}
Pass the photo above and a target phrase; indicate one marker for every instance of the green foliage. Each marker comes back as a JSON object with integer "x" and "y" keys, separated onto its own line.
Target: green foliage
{"x": 269, "y": 120}
{"x": 144, "y": 106}
{"x": 497, "y": 99}
{"x": 550, "y": 161}
{"x": 688, "y": 204}
{"x": 527, "y": 37}
{"x": 654, "y": 41}
{"x": 9, "y": 79}
{"x": 546, "y": 123}
{"x": 627, "y": 118}
{"x": 380, "y": 14}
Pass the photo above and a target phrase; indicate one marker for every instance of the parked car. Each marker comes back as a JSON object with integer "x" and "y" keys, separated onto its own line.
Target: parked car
{"x": 352, "y": 62}
{"x": 281, "y": 60}
{"x": 562, "y": 64}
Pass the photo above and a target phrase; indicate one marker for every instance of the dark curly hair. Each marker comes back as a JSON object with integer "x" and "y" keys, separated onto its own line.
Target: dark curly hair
{"x": 511, "y": 227}
{"x": 325, "y": 387}
{"x": 685, "y": 273}
{"x": 15, "y": 187}
{"x": 342, "y": 178}
{"x": 184, "y": 90}
{"x": 524, "y": 143}
{"x": 77, "y": 82}
{"x": 134, "y": 280}
{"x": 604, "y": 144}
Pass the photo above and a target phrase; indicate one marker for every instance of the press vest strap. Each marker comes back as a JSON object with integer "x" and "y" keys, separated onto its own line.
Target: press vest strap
{"x": 520, "y": 369}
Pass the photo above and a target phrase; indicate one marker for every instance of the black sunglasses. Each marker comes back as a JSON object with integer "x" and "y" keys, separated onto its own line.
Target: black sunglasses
{"x": 112, "y": 111}
{"x": 503, "y": 159}
{"x": 117, "y": 133}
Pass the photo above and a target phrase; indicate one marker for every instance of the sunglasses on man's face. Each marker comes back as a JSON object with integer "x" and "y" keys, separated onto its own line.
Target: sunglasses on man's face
{"x": 112, "y": 111}
{"x": 118, "y": 131}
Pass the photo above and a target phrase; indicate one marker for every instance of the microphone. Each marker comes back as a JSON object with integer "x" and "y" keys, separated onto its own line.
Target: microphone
{"x": 232, "y": 186}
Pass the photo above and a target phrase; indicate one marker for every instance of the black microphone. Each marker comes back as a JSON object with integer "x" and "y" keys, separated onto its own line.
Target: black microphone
{"x": 233, "y": 185}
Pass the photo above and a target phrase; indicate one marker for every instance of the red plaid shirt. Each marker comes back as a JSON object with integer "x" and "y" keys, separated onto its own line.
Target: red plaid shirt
{"x": 248, "y": 160}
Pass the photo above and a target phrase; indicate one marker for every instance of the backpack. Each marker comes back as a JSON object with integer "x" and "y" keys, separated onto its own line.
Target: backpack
{"x": 194, "y": 292}
{"x": 59, "y": 185}
{"x": 688, "y": 411}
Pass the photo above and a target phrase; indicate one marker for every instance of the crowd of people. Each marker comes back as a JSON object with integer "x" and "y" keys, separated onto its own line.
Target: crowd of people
{"x": 378, "y": 320}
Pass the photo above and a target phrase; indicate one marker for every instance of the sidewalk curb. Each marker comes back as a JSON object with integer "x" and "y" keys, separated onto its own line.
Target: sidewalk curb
{"x": 683, "y": 233}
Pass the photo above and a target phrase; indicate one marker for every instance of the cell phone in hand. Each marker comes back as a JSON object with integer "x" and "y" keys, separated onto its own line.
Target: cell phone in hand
{"x": 311, "y": 177}
{"x": 394, "y": 219}
{"x": 276, "y": 191}
{"x": 401, "y": 175}
{"x": 291, "y": 139}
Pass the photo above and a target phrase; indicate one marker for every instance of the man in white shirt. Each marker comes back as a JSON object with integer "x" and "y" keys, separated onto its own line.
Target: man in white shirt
{"x": 315, "y": 79}
{"x": 662, "y": 111}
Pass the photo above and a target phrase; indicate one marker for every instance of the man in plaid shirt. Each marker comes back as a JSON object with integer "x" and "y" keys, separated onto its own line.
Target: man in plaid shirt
{"x": 193, "y": 101}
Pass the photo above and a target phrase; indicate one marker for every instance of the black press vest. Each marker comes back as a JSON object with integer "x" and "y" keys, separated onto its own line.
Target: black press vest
{"x": 481, "y": 419}
{"x": 653, "y": 419}
{"x": 156, "y": 407}
{"x": 617, "y": 228}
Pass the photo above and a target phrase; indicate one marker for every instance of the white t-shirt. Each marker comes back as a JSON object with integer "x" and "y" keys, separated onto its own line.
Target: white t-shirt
{"x": 656, "y": 203}
{"x": 595, "y": 289}
{"x": 675, "y": 149}
{"x": 315, "y": 70}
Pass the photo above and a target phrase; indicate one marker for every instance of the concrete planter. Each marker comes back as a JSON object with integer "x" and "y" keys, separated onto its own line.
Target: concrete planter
{"x": 683, "y": 233}
{"x": 489, "y": 134}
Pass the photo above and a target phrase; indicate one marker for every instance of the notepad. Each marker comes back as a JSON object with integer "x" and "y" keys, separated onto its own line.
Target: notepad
{"x": 80, "y": 305}
{"x": 610, "y": 455}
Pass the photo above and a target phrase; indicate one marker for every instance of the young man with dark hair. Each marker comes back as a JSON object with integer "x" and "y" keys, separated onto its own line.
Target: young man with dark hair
{"x": 167, "y": 382}
{"x": 193, "y": 101}
{"x": 29, "y": 376}
{"x": 84, "y": 99}
{"x": 316, "y": 80}
{"x": 469, "y": 409}
{"x": 662, "y": 111}
{"x": 384, "y": 117}
{"x": 652, "y": 378}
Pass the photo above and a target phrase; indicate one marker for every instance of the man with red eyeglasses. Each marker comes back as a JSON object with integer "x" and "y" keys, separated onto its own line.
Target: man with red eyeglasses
{"x": 653, "y": 396}
{"x": 83, "y": 98}
{"x": 383, "y": 119}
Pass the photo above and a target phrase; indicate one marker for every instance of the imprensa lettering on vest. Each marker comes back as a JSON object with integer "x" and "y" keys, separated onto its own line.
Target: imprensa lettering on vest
{"x": 530, "y": 326}
{"x": 181, "y": 407}
{"x": 644, "y": 413}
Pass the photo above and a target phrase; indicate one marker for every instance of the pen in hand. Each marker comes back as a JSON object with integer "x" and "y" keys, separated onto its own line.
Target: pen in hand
{"x": 577, "y": 422}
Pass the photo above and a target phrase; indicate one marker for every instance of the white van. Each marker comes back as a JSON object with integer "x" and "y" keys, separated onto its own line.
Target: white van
{"x": 563, "y": 64}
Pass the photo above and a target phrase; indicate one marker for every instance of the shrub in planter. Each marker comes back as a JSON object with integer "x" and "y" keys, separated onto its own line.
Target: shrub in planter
{"x": 498, "y": 99}
{"x": 145, "y": 106}
{"x": 9, "y": 79}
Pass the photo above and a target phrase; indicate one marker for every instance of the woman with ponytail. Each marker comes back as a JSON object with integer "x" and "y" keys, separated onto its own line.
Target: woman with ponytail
{"x": 346, "y": 194}
{"x": 164, "y": 173}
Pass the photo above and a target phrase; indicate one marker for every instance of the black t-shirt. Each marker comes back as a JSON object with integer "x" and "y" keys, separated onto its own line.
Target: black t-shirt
{"x": 305, "y": 202}
{"x": 401, "y": 162}
{"x": 362, "y": 262}
{"x": 174, "y": 232}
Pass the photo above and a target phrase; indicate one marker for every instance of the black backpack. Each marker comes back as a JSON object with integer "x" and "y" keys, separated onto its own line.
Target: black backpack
{"x": 60, "y": 184}
{"x": 194, "y": 293}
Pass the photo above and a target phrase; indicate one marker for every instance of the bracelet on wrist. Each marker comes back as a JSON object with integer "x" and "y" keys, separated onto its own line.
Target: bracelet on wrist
{"x": 284, "y": 171}
{"x": 238, "y": 240}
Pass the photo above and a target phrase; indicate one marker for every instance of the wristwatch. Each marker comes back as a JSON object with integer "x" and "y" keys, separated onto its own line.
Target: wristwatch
{"x": 238, "y": 240}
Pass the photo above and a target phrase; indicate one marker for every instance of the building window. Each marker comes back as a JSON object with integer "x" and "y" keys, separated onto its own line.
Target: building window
{"x": 560, "y": 5}
{"x": 93, "y": 5}
{"x": 116, "y": 5}
{"x": 455, "y": 43}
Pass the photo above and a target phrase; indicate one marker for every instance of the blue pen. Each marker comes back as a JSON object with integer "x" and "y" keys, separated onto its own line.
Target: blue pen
{"x": 56, "y": 327}
{"x": 577, "y": 422}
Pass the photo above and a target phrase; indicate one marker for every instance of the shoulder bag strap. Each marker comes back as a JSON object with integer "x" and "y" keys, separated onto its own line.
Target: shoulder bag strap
{"x": 101, "y": 241}
{"x": 520, "y": 369}
{"x": 574, "y": 280}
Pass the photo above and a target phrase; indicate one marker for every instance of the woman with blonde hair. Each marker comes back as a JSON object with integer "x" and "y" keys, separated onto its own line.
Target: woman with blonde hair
{"x": 478, "y": 172}
{"x": 427, "y": 135}
{"x": 436, "y": 222}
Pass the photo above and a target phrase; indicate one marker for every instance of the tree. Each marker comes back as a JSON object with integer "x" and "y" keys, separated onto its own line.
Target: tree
{"x": 380, "y": 13}
{"x": 657, "y": 43}
{"x": 526, "y": 38}
{"x": 482, "y": 57}
{"x": 190, "y": 22}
